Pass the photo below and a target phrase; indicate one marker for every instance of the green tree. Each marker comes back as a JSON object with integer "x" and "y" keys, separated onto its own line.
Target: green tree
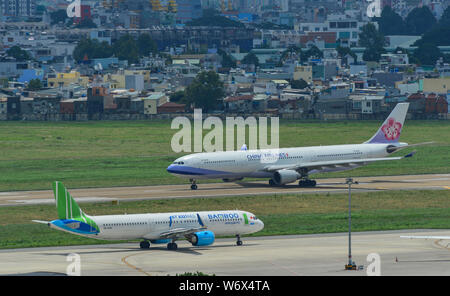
{"x": 390, "y": 23}
{"x": 34, "y": 84}
{"x": 440, "y": 34}
{"x": 178, "y": 97}
{"x": 250, "y": 59}
{"x": 206, "y": 91}
{"x": 86, "y": 24}
{"x": 126, "y": 48}
{"x": 227, "y": 60}
{"x": 343, "y": 51}
{"x": 93, "y": 49}
{"x": 299, "y": 84}
{"x": 373, "y": 42}
{"x": 427, "y": 54}
{"x": 57, "y": 16}
{"x": 19, "y": 54}
{"x": 419, "y": 21}
{"x": 146, "y": 45}
{"x": 314, "y": 51}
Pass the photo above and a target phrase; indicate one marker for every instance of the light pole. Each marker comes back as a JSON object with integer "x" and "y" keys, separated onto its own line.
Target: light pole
{"x": 350, "y": 265}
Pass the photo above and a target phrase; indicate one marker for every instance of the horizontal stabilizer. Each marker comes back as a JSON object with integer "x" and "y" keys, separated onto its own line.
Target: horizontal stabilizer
{"x": 40, "y": 221}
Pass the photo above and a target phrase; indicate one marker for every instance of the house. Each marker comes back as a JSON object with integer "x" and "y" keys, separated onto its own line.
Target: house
{"x": 171, "y": 107}
{"x": 238, "y": 103}
{"x": 151, "y": 103}
{"x": 435, "y": 104}
{"x": 3, "y": 108}
{"x": 66, "y": 79}
{"x": 416, "y": 104}
{"x": 13, "y": 106}
{"x": 367, "y": 104}
{"x": 303, "y": 72}
{"x": 436, "y": 85}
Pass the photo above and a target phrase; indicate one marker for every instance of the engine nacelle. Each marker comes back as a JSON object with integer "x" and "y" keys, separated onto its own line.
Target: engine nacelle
{"x": 202, "y": 238}
{"x": 282, "y": 177}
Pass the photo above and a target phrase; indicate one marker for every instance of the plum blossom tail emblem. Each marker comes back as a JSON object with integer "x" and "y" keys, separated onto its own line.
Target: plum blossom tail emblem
{"x": 391, "y": 129}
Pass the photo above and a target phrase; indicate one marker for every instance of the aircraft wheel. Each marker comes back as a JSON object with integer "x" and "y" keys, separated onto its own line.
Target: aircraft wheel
{"x": 271, "y": 182}
{"x": 307, "y": 183}
{"x": 144, "y": 245}
{"x": 172, "y": 246}
{"x": 239, "y": 243}
{"x": 194, "y": 187}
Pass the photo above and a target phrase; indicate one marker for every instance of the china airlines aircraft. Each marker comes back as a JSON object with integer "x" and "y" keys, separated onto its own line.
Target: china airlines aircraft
{"x": 287, "y": 165}
{"x": 199, "y": 228}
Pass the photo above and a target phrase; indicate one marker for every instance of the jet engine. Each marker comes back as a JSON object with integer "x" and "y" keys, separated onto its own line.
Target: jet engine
{"x": 202, "y": 238}
{"x": 285, "y": 176}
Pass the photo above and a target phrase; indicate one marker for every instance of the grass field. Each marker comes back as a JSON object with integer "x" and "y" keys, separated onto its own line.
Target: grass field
{"x": 127, "y": 153}
{"x": 286, "y": 214}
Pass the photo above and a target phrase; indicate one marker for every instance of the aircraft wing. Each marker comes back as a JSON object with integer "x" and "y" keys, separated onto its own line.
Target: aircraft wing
{"x": 328, "y": 164}
{"x": 426, "y": 237}
{"x": 179, "y": 232}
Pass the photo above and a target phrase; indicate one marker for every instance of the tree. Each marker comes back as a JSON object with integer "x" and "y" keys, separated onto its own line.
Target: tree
{"x": 419, "y": 21}
{"x": 58, "y": 16}
{"x": 19, "y": 54}
{"x": 206, "y": 91}
{"x": 250, "y": 59}
{"x": 440, "y": 34}
{"x": 93, "y": 49}
{"x": 146, "y": 45}
{"x": 227, "y": 60}
{"x": 373, "y": 41}
{"x": 126, "y": 48}
{"x": 34, "y": 84}
{"x": 390, "y": 23}
{"x": 343, "y": 51}
{"x": 178, "y": 97}
{"x": 86, "y": 23}
{"x": 314, "y": 51}
{"x": 427, "y": 54}
{"x": 299, "y": 84}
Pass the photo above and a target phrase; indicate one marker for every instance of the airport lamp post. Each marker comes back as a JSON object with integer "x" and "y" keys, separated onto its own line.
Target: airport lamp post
{"x": 349, "y": 181}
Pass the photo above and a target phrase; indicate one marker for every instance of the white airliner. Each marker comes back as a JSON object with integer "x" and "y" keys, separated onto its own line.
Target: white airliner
{"x": 287, "y": 165}
{"x": 199, "y": 228}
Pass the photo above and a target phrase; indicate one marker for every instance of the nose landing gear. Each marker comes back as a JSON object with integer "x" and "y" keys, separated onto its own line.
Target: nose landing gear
{"x": 193, "y": 184}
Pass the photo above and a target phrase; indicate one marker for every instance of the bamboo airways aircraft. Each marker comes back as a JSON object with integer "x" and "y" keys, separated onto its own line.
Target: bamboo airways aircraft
{"x": 199, "y": 228}
{"x": 287, "y": 165}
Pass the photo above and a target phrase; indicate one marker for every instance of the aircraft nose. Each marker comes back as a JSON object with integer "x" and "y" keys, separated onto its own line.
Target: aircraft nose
{"x": 260, "y": 225}
{"x": 171, "y": 168}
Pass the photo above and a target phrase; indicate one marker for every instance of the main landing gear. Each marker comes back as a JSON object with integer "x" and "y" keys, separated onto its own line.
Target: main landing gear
{"x": 144, "y": 245}
{"x": 172, "y": 246}
{"x": 238, "y": 242}
{"x": 307, "y": 183}
{"x": 193, "y": 184}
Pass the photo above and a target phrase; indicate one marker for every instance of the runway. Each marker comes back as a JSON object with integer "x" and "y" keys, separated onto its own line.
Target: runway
{"x": 334, "y": 185}
{"x": 324, "y": 254}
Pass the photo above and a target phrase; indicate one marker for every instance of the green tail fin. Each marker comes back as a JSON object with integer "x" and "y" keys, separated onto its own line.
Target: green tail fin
{"x": 67, "y": 207}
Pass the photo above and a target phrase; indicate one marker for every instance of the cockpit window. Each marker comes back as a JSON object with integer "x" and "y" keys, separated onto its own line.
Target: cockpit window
{"x": 178, "y": 162}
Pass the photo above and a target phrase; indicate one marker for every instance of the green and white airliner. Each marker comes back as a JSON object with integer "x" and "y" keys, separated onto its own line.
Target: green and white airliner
{"x": 199, "y": 228}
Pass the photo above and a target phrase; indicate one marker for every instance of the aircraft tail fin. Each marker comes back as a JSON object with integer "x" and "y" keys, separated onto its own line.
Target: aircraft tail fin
{"x": 390, "y": 130}
{"x": 67, "y": 207}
